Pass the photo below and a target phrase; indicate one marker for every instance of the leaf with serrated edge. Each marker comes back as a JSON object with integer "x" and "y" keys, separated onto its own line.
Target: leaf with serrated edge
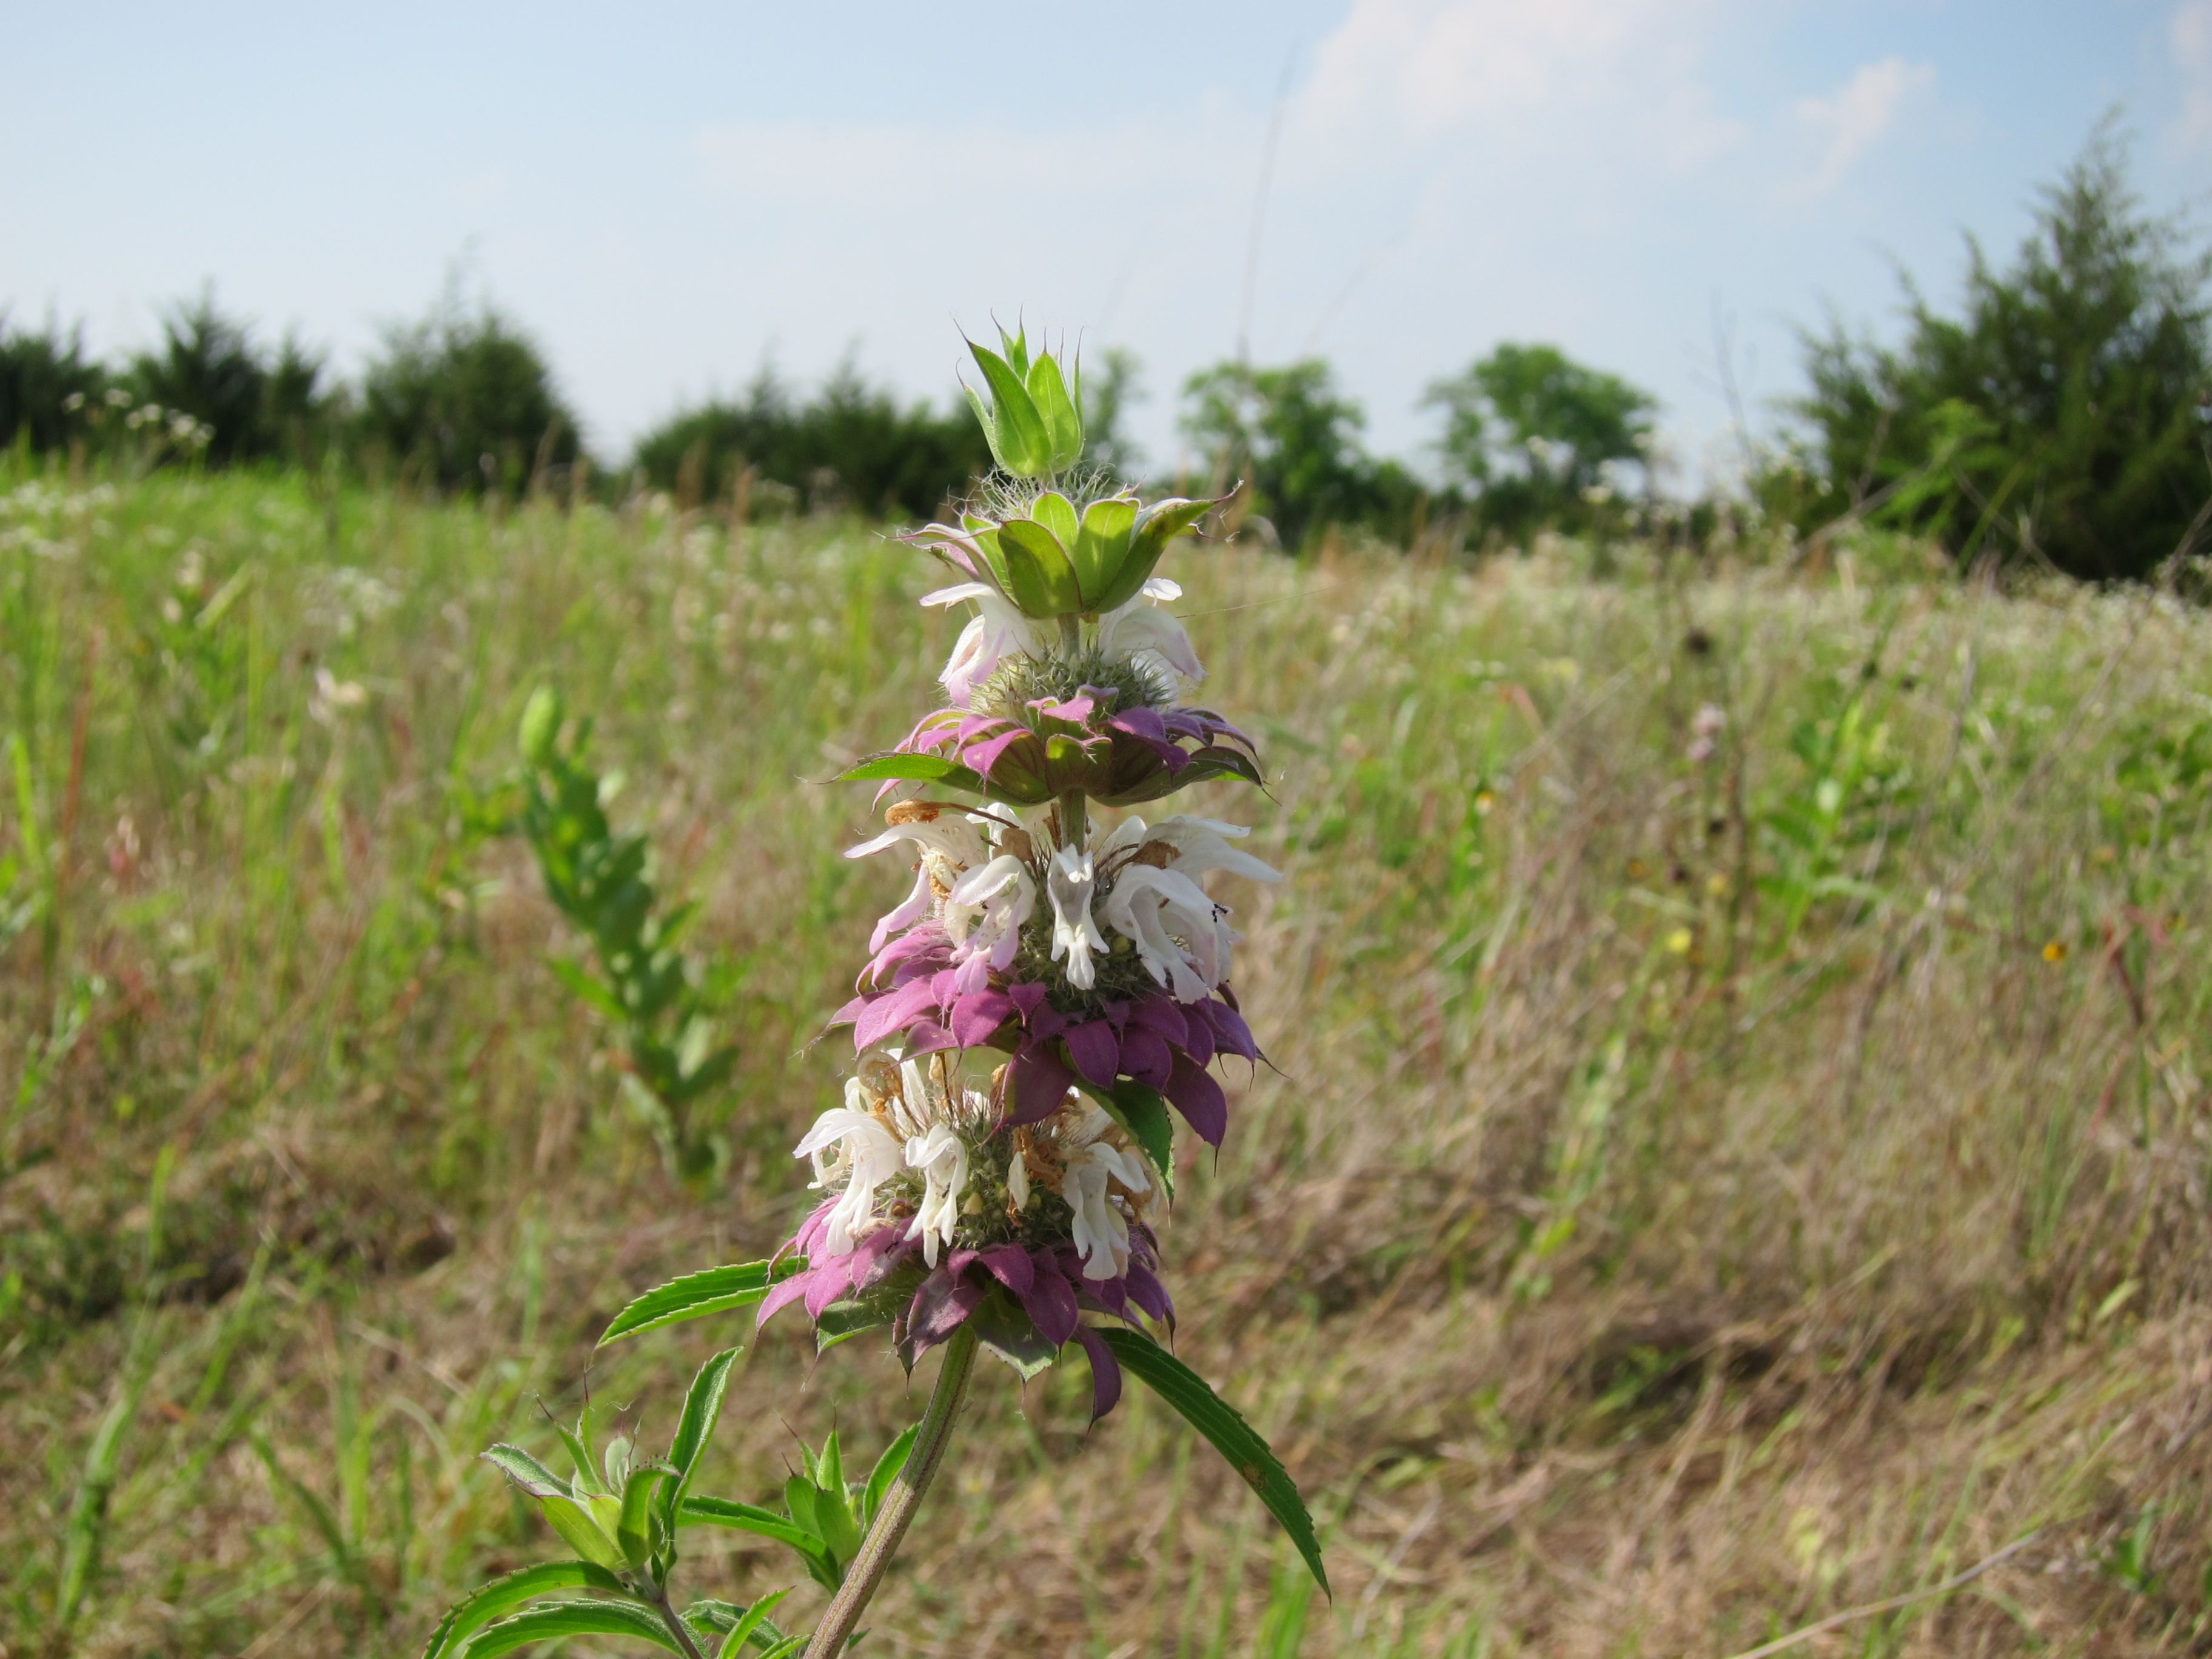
{"x": 738, "y": 1285}
{"x": 481, "y": 1606}
{"x": 570, "y": 1618}
{"x": 702, "y": 1409}
{"x": 1230, "y": 1434}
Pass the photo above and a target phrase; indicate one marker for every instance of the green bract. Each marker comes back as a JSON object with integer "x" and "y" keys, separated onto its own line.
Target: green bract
{"x": 1034, "y": 424}
{"x": 1052, "y": 563}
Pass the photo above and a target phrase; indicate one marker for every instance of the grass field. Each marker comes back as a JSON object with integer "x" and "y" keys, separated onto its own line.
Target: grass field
{"x": 1698, "y": 1193}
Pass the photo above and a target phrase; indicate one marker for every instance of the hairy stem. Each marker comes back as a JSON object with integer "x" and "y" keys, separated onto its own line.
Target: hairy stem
{"x": 677, "y": 1627}
{"x": 905, "y": 1497}
{"x": 1074, "y": 819}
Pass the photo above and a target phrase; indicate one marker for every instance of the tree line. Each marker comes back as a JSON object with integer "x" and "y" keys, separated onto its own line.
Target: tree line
{"x": 2060, "y": 417}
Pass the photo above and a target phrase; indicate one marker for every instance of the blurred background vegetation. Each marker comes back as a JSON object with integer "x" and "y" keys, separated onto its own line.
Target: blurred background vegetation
{"x": 2057, "y": 419}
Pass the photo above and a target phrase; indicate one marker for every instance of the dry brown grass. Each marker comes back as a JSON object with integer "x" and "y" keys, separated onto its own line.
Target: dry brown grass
{"x": 1624, "y": 1263}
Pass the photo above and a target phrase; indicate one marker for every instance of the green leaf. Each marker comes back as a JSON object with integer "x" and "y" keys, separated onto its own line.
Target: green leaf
{"x": 478, "y": 1609}
{"x": 587, "y": 1477}
{"x": 702, "y": 1409}
{"x": 1159, "y": 525}
{"x": 579, "y": 1526}
{"x": 1057, "y": 513}
{"x": 785, "y": 1649}
{"x": 842, "y": 1320}
{"x": 696, "y": 1294}
{"x": 753, "y": 1624}
{"x": 1063, "y": 421}
{"x": 1100, "y": 545}
{"x": 1231, "y": 1435}
{"x": 746, "y": 1518}
{"x": 1141, "y": 1112}
{"x": 634, "y": 1529}
{"x": 570, "y": 1618}
{"x": 886, "y": 1471}
{"x": 1041, "y": 582}
{"x": 1017, "y": 432}
{"x": 526, "y": 1472}
{"x": 922, "y": 769}
{"x": 541, "y": 726}
{"x": 1003, "y": 1328}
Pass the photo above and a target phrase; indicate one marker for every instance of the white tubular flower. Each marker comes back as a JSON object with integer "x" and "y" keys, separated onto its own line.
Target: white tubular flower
{"x": 1100, "y": 1231}
{"x": 949, "y": 845}
{"x": 866, "y": 1155}
{"x": 1018, "y": 1174}
{"x": 1145, "y": 633}
{"x": 1074, "y": 934}
{"x": 986, "y": 909}
{"x": 997, "y": 632}
{"x": 942, "y": 1160}
{"x": 1201, "y": 846}
{"x": 1177, "y": 930}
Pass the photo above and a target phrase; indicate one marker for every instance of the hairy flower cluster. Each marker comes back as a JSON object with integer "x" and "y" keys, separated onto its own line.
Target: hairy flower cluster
{"x": 1051, "y": 994}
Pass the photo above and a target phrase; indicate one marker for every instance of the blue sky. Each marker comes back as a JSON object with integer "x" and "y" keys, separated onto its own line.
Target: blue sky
{"x": 667, "y": 195}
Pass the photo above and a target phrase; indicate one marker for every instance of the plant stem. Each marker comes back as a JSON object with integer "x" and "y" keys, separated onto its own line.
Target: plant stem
{"x": 677, "y": 1627}
{"x": 930, "y": 1440}
{"x": 1074, "y": 819}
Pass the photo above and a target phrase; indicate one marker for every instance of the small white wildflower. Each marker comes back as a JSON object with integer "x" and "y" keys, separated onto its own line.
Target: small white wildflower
{"x": 1075, "y": 935}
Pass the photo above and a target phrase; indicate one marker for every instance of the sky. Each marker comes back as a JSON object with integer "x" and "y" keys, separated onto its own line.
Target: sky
{"x": 669, "y": 196}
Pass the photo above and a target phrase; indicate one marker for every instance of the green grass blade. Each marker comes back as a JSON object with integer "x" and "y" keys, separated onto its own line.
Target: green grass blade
{"x": 1231, "y": 1435}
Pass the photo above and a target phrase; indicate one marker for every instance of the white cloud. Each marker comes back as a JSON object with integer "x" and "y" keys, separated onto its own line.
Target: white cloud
{"x": 2191, "y": 33}
{"x": 1849, "y": 120}
{"x": 1579, "y": 89}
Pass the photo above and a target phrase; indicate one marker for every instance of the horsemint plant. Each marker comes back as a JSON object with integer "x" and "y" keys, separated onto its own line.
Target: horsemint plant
{"x": 1030, "y": 1014}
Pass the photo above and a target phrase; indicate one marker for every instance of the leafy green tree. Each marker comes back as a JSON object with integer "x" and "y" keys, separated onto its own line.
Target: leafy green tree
{"x": 45, "y": 383}
{"x": 2058, "y": 417}
{"x": 850, "y": 445}
{"x": 1530, "y": 432}
{"x": 207, "y": 367}
{"x": 466, "y": 396}
{"x": 1294, "y": 441}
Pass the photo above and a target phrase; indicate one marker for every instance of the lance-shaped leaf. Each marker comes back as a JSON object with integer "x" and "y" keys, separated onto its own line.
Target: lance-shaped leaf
{"x": 571, "y": 1618}
{"x": 747, "y": 1517}
{"x": 753, "y": 1626}
{"x": 1157, "y": 525}
{"x": 1012, "y": 425}
{"x": 634, "y": 1525}
{"x": 900, "y": 765}
{"x": 579, "y": 1521}
{"x": 474, "y": 1611}
{"x": 702, "y": 1409}
{"x": 886, "y": 1471}
{"x": 1063, "y": 420}
{"x": 695, "y": 1294}
{"x": 1231, "y": 1435}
